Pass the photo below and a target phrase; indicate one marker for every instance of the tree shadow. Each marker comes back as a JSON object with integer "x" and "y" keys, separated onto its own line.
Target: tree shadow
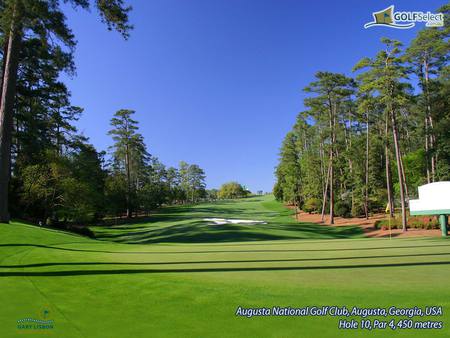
{"x": 192, "y": 232}
{"x": 223, "y": 251}
{"x": 35, "y": 265}
{"x": 199, "y": 231}
{"x": 200, "y": 270}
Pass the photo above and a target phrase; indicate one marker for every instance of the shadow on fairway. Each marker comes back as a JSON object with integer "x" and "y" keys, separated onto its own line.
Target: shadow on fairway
{"x": 36, "y": 265}
{"x": 171, "y": 214}
{"x": 198, "y": 231}
{"x": 237, "y": 269}
{"x": 184, "y": 224}
{"x": 224, "y": 251}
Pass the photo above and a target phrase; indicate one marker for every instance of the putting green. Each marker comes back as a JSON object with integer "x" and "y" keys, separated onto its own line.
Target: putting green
{"x": 182, "y": 277}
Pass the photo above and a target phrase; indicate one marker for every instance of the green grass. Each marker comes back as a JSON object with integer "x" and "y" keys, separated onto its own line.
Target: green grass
{"x": 184, "y": 278}
{"x": 185, "y": 225}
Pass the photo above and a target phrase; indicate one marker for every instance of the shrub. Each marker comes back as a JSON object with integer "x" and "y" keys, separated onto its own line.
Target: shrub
{"x": 378, "y": 225}
{"x": 312, "y": 205}
{"x": 357, "y": 210}
{"x": 342, "y": 209}
{"x": 82, "y": 230}
{"x": 413, "y": 223}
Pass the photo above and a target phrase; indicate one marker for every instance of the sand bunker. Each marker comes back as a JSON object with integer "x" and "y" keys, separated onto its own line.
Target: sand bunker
{"x": 233, "y": 221}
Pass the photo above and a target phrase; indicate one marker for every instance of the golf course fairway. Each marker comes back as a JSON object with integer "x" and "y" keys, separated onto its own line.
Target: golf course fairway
{"x": 176, "y": 275}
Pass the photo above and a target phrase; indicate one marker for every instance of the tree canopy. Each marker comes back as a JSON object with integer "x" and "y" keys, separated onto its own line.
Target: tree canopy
{"x": 232, "y": 190}
{"x": 369, "y": 141}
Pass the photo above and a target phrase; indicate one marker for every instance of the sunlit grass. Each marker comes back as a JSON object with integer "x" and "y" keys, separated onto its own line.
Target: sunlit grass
{"x": 182, "y": 282}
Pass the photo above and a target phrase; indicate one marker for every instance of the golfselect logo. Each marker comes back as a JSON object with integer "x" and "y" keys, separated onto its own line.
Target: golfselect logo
{"x": 404, "y": 20}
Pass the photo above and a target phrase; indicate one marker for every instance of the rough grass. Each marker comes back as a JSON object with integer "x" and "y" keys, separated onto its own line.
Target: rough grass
{"x": 189, "y": 281}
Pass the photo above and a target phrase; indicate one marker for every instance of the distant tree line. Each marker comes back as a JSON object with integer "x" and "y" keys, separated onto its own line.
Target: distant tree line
{"x": 137, "y": 181}
{"x": 368, "y": 142}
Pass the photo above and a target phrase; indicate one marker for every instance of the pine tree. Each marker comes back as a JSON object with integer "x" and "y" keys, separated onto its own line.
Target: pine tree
{"x": 19, "y": 20}
{"x": 385, "y": 75}
{"x": 130, "y": 155}
{"x": 331, "y": 91}
{"x": 427, "y": 55}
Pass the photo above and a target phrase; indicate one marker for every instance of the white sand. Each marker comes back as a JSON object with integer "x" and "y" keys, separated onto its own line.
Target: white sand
{"x": 233, "y": 221}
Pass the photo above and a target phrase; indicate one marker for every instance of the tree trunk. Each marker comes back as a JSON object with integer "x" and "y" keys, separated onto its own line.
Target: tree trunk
{"x": 11, "y": 62}
{"x": 348, "y": 150}
{"x": 5, "y": 52}
{"x": 429, "y": 118}
{"x": 333, "y": 141}
{"x": 322, "y": 163}
{"x": 325, "y": 193}
{"x": 388, "y": 169}
{"x": 366, "y": 192}
{"x": 404, "y": 179}
{"x": 399, "y": 169}
{"x": 127, "y": 168}
{"x": 331, "y": 189}
{"x": 427, "y": 150}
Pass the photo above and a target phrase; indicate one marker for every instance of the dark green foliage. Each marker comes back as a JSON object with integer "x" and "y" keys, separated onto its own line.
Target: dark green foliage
{"x": 36, "y": 116}
{"x": 342, "y": 209}
{"x": 192, "y": 182}
{"x": 62, "y": 188}
{"x": 356, "y": 122}
{"x": 58, "y": 176}
{"x": 278, "y": 190}
{"x": 115, "y": 195}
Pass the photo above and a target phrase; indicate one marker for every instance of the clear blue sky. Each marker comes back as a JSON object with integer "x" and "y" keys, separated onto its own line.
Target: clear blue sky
{"x": 218, "y": 82}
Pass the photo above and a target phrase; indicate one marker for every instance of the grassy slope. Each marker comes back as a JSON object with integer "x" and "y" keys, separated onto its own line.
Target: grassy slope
{"x": 176, "y": 288}
{"x": 185, "y": 225}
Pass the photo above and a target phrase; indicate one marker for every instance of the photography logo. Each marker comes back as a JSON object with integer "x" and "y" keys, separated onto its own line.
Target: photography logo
{"x": 36, "y": 324}
{"x": 404, "y": 20}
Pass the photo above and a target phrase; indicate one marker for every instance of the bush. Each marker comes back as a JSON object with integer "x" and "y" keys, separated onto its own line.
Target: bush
{"x": 357, "y": 210}
{"x": 312, "y": 205}
{"x": 377, "y": 200}
{"x": 378, "y": 225}
{"x": 342, "y": 209}
{"x": 413, "y": 223}
{"x": 81, "y": 230}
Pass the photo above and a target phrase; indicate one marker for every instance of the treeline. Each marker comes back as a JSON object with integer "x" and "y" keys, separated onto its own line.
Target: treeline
{"x": 365, "y": 143}
{"x": 36, "y": 118}
{"x": 66, "y": 180}
{"x": 139, "y": 182}
{"x": 49, "y": 172}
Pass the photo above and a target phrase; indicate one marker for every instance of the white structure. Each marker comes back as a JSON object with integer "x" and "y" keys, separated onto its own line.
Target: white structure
{"x": 434, "y": 199}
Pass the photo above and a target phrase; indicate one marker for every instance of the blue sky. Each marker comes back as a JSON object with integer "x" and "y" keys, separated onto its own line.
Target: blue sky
{"x": 219, "y": 82}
